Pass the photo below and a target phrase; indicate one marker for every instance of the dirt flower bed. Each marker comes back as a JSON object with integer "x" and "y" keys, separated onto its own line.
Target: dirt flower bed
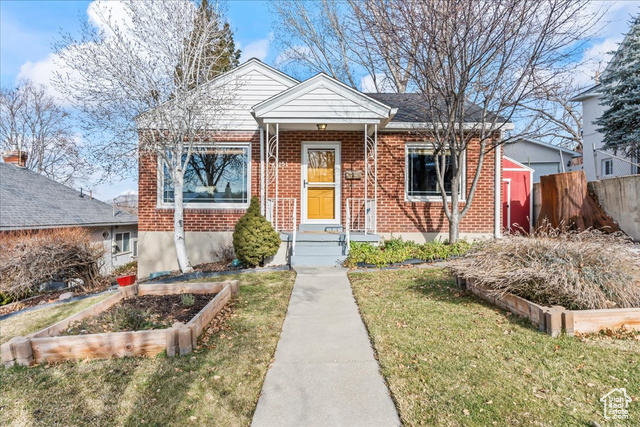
{"x": 45, "y": 298}
{"x": 143, "y": 313}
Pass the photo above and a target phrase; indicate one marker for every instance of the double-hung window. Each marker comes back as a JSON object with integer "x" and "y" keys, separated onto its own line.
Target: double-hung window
{"x": 421, "y": 182}
{"x": 123, "y": 242}
{"x": 216, "y": 176}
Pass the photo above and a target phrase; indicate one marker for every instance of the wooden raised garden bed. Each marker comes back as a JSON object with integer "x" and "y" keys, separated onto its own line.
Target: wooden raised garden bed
{"x": 553, "y": 320}
{"x": 48, "y": 345}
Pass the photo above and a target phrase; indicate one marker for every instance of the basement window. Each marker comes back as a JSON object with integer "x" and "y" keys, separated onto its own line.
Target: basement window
{"x": 123, "y": 243}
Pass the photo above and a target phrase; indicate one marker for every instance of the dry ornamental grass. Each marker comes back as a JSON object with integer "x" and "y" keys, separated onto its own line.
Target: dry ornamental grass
{"x": 578, "y": 270}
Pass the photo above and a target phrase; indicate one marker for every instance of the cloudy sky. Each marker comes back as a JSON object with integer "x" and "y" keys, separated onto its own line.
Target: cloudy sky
{"x": 29, "y": 28}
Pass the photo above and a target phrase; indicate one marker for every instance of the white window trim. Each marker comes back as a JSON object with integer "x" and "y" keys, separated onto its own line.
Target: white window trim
{"x": 604, "y": 168}
{"x": 160, "y": 204}
{"x": 115, "y": 241}
{"x": 438, "y": 198}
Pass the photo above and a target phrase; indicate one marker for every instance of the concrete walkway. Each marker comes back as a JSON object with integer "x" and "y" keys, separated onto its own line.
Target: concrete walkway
{"x": 324, "y": 372}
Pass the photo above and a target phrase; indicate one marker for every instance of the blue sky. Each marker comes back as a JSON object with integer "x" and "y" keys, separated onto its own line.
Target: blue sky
{"x": 29, "y": 28}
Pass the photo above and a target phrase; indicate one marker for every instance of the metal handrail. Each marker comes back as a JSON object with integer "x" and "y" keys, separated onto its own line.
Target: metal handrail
{"x": 362, "y": 215}
{"x": 279, "y": 211}
{"x": 347, "y": 231}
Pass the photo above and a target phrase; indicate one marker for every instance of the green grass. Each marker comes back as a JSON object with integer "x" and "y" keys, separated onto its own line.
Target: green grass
{"x": 452, "y": 360}
{"x": 35, "y": 320}
{"x": 218, "y": 384}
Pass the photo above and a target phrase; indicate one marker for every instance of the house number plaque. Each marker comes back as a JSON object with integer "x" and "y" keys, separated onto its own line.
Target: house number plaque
{"x": 353, "y": 175}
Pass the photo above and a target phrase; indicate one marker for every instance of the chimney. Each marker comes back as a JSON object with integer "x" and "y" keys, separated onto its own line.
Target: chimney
{"x": 15, "y": 157}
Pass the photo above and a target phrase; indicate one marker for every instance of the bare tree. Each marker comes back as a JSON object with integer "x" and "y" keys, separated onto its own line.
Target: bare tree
{"x": 555, "y": 118}
{"x": 334, "y": 37}
{"x": 475, "y": 63}
{"x": 133, "y": 75}
{"x": 31, "y": 120}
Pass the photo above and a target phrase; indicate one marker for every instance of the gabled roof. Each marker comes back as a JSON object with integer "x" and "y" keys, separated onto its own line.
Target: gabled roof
{"x": 587, "y": 93}
{"x": 321, "y": 98}
{"x": 411, "y": 109}
{"x": 31, "y": 201}
{"x": 547, "y": 145}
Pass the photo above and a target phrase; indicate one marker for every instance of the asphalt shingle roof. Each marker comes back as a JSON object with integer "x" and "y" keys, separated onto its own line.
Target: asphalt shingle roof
{"x": 30, "y": 200}
{"x": 411, "y": 107}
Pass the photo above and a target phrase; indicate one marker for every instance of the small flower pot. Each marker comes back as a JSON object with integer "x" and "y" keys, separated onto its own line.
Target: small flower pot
{"x": 126, "y": 280}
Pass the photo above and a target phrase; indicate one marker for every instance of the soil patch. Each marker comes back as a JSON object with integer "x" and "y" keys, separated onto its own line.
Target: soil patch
{"x": 142, "y": 313}
{"x": 207, "y": 267}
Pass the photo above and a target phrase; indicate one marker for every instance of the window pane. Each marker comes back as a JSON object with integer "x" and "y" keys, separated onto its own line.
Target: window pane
{"x": 118, "y": 243}
{"x": 423, "y": 180}
{"x": 126, "y": 238}
{"x": 214, "y": 175}
{"x": 135, "y": 248}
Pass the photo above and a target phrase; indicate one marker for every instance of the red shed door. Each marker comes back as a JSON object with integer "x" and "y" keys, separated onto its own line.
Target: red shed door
{"x": 506, "y": 204}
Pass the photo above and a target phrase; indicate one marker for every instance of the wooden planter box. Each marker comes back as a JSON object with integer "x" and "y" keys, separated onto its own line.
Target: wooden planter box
{"x": 47, "y": 346}
{"x": 553, "y": 320}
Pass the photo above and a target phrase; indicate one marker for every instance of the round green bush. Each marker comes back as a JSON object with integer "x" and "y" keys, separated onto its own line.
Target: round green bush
{"x": 254, "y": 239}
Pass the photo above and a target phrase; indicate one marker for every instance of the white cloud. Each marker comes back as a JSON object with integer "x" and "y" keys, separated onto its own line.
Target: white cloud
{"x": 385, "y": 85}
{"x": 42, "y": 72}
{"x": 256, "y": 49}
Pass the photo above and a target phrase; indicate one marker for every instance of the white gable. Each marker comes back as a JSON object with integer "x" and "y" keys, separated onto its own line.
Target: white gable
{"x": 254, "y": 82}
{"x": 321, "y": 99}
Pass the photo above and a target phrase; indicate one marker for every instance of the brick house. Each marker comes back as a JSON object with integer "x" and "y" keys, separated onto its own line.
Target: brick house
{"x": 329, "y": 164}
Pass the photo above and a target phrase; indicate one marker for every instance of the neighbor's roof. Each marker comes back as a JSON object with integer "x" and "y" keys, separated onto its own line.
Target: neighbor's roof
{"x": 547, "y": 145}
{"x": 411, "y": 108}
{"x": 29, "y": 200}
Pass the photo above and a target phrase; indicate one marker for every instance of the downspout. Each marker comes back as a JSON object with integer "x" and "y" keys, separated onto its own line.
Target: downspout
{"x": 497, "y": 190}
{"x": 262, "y": 201}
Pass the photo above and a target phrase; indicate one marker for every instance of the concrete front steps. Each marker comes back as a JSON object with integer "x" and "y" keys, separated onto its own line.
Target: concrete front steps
{"x": 324, "y": 245}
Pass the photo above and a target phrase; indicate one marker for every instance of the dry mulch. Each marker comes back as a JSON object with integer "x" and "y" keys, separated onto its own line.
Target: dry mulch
{"x": 159, "y": 312}
{"x": 168, "y": 307}
{"x": 208, "y": 267}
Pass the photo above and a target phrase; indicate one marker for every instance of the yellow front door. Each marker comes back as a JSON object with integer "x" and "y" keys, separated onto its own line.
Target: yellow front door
{"x": 321, "y": 180}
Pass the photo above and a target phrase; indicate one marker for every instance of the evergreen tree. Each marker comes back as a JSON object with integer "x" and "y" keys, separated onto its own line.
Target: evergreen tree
{"x": 254, "y": 238}
{"x": 620, "y": 123}
{"x": 220, "y": 54}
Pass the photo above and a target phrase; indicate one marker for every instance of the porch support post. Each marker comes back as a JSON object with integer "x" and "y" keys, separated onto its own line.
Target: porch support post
{"x": 366, "y": 178}
{"x": 277, "y": 167}
{"x": 375, "y": 179}
{"x": 266, "y": 170}
{"x": 262, "y": 180}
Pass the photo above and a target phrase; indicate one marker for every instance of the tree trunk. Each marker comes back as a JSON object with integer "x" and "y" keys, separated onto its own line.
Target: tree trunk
{"x": 178, "y": 224}
{"x": 454, "y": 224}
{"x": 566, "y": 202}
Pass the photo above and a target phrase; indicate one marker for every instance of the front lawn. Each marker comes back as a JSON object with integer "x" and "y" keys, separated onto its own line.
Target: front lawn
{"x": 26, "y": 323}
{"x": 218, "y": 384}
{"x": 451, "y": 359}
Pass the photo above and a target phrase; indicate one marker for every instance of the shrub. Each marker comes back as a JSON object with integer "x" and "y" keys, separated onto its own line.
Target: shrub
{"x": 254, "y": 239}
{"x": 187, "y": 300}
{"x": 395, "y": 250}
{"x": 126, "y": 269}
{"x": 222, "y": 250}
{"x": 580, "y": 271}
{"x": 30, "y": 258}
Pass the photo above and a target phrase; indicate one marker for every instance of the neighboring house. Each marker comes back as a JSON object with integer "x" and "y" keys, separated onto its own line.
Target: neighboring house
{"x": 542, "y": 157}
{"x": 30, "y": 201}
{"x": 329, "y": 164}
{"x": 598, "y": 162}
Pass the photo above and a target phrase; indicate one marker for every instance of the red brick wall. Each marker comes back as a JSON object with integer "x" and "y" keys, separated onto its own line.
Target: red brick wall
{"x": 150, "y": 218}
{"x": 394, "y": 213}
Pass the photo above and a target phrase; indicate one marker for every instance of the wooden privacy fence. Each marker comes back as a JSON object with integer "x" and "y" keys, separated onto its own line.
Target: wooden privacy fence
{"x": 48, "y": 346}
{"x": 555, "y": 319}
